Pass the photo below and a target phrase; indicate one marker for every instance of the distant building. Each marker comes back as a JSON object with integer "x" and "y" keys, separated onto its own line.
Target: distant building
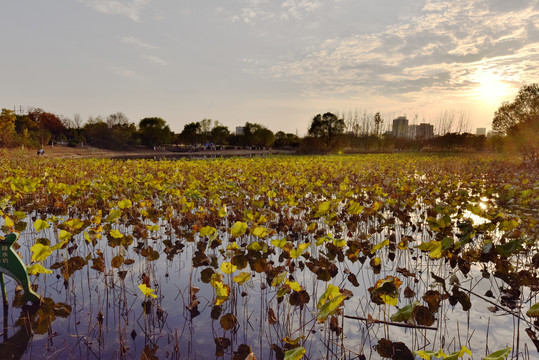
{"x": 481, "y": 131}
{"x": 412, "y": 131}
{"x": 424, "y": 131}
{"x": 240, "y": 130}
{"x": 400, "y": 127}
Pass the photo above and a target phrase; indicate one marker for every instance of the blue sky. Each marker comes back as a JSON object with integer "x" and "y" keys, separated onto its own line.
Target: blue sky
{"x": 277, "y": 63}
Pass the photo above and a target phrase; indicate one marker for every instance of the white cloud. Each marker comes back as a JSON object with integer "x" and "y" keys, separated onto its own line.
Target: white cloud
{"x": 127, "y": 73}
{"x": 296, "y": 8}
{"x": 137, "y": 42}
{"x": 155, "y": 59}
{"x": 132, "y": 9}
{"x": 264, "y": 10}
{"x": 440, "y": 49}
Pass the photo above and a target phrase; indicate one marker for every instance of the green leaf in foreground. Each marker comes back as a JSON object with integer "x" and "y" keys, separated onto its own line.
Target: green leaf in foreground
{"x": 533, "y": 311}
{"x": 499, "y": 355}
{"x": 329, "y": 302}
{"x": 405, "y": 313}
{"x": 294, "y": 354}
{"x": 427, "y": 355}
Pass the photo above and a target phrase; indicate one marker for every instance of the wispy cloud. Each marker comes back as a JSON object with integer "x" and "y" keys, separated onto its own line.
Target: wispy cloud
{"x": 132, "y": 9}
{"x": 296, "y": 8}
{"x": 137, "y": 42}
{"x": 127, "y": 73}
{"x": 440, "y": 49}
{"x": 252, "y": 11}
{"x": 155, "y": 59}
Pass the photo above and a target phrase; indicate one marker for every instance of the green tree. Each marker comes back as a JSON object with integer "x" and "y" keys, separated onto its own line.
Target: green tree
{"x": 263, "y": 137}
{"x": 257, "y": 135}
{"x": 192, "y": 133}
{"x": 154, "y": 131}
{"x": 327, "y": 128}
{"x": 220, "y": 134}
{"x": 519, "y": 120}
{"x": 523, "y": 110}
{"x": 286, "y": 140}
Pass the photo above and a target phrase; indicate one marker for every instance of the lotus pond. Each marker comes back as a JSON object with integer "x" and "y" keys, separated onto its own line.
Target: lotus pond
{"x": 338, "y": 257}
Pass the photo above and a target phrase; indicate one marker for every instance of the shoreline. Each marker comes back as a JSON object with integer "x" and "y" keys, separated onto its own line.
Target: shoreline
{"x": 85, "y": 152}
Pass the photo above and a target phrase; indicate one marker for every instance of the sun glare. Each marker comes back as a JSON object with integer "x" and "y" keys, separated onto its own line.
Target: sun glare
{"x": 493, "y": 88}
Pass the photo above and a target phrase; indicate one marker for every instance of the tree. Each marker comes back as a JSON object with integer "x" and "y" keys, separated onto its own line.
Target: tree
{"x": 192, "y": 133}
{"x": 118, "y": 118}
{"x": 263, "y": 137}
{"x": 50, "y": 125}
{"x": 257, "y": 135}
{"x": 286, "y": 140}
{"x": 154, "y": 131}
{"x": 524, "y": 109}
{"x": 519, "y": 120}
{"x": 7, "y": 127}
{"x": 205, "y": 126}
{"x": 328, "y": 128}
{"x": 219, "y": 134}
{"x": 378, "y": 122}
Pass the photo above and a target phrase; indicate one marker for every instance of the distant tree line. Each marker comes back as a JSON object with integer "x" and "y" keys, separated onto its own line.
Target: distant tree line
{"x": 515, "y": 125}
{"x": 38, "y": 128}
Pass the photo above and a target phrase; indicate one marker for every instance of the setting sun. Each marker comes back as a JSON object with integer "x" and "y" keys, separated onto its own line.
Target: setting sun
{"x": 493, "y": 88}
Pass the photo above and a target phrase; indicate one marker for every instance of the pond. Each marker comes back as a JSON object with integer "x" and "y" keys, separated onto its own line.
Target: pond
{"x": 318, "y": 257}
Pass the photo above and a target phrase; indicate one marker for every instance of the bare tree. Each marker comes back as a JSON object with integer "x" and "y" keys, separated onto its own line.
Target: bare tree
{"x": 348, "y": 118}
{"x": 77, "y": 120}
{"x": 444, "y": 122}
{"x": 366, "y": 122}
{"x": 68, "y": 123}
{"x": 463, "y": 122}
{"x": 378, "y": 123}
{"x": 117, "y": 119}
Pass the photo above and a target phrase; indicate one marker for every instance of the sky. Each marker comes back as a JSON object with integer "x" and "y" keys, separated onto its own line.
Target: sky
{"x": 276, "y": 63}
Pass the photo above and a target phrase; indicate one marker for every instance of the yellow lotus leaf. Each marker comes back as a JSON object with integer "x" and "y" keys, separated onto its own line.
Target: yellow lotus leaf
{"x": 239, "y": 228}
{"x": 260, "y": 231}
{"x": 228, "y": 268}
{"x": 222, "y": 292}
{"x": 377, "y": 247}
{"x": 41, "y": 225}
{"x": 147, "y": 291}
{"x": 64, "y": 235}
{"x": 40, "y": 252}
{"x": 116, "y": 234}
{"x": 293, "y": 285}
{"x": 324, "y": 207}
{"x": 8, "y": 222}
{"x": 38, "y": 269}
{"x": 242, "y": 277}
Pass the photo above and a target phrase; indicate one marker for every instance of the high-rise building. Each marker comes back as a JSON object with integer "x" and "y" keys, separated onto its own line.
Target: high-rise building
{"x": 400, "y": 127}
{"x": 424, "y": 131}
